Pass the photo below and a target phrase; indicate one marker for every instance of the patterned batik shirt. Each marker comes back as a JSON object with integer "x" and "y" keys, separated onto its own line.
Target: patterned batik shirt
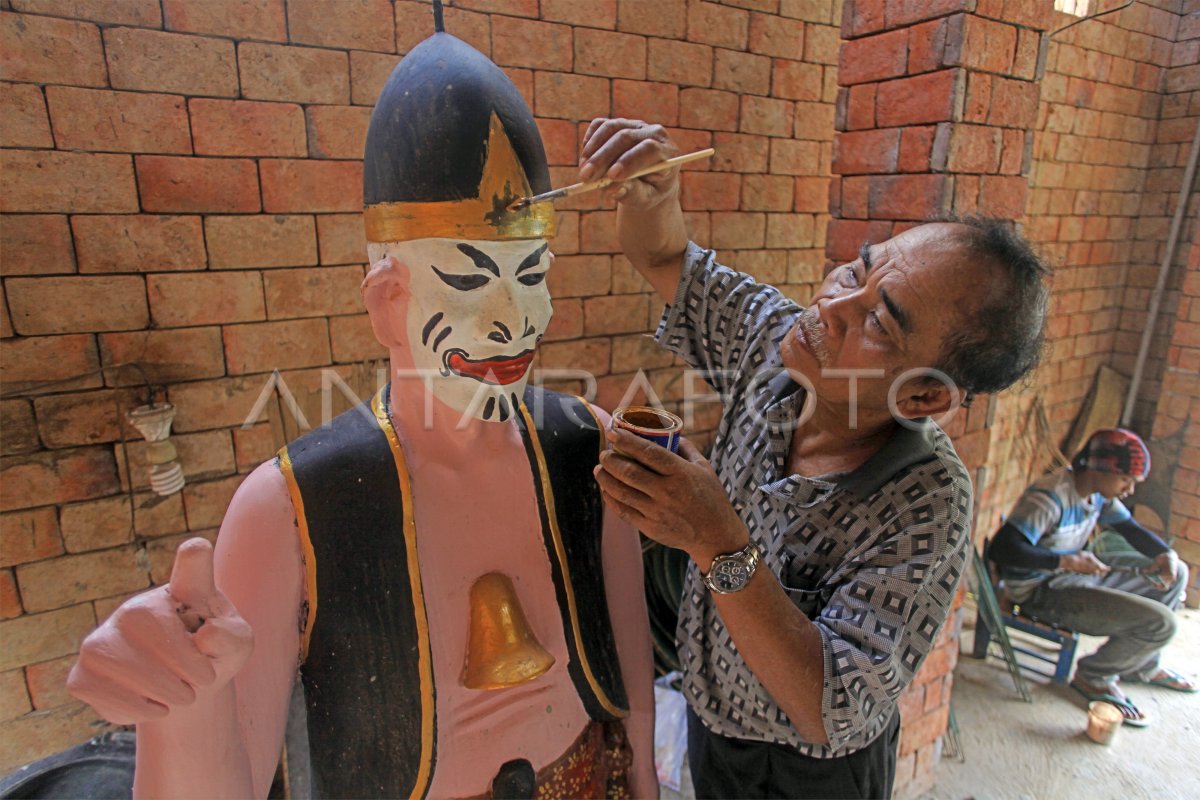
{"x": 1052, "y": 514}
{"x": 873, "y": 557}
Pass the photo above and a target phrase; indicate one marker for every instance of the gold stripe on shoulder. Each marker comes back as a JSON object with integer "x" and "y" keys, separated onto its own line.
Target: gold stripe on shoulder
{"x": 599, "y": 427}
{"x": 306, "y": 548}
{"x": 560, "y": 551}
{"x": 424, "y": 657}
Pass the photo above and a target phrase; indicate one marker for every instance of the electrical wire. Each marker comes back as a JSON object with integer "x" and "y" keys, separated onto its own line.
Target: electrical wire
{"x": 1097, "y": 15}
{"x": 35, "y": 389}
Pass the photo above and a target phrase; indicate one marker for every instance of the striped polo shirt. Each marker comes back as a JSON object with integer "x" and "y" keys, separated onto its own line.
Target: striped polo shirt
{"x": 1053, "y": 515}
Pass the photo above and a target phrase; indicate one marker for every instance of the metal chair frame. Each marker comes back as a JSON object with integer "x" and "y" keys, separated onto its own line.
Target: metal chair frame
{"x": 993, "y": 621}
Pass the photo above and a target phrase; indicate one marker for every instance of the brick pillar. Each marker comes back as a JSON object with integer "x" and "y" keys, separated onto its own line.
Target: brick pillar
{"x": 935, "y": 114}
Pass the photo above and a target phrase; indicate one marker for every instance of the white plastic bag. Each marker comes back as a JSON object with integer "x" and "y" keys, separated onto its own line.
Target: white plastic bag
{"x": 670, "y": 731}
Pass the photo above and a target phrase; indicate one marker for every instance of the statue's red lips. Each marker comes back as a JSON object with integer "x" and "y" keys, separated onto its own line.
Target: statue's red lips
{"x": 500, "y": 370}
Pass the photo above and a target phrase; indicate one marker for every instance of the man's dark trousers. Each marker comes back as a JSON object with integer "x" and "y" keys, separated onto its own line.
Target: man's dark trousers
{"x": 724, "y": 768}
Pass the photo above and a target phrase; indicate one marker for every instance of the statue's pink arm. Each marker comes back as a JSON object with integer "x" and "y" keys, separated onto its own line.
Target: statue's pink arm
{"x": 622, "y": 555}
{"x": 260, "y": 568}
{"x": 210, "y": 705}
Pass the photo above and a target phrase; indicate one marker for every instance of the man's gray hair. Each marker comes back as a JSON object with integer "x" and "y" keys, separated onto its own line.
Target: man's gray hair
{"x": 1006, "y": 335}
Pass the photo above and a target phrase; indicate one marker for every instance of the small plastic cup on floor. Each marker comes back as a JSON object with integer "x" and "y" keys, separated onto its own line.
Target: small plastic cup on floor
{"x": 1103, "y": 721}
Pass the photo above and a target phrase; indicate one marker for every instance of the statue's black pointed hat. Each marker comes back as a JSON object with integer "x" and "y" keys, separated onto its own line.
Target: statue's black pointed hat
{"x": 451, "y": 145}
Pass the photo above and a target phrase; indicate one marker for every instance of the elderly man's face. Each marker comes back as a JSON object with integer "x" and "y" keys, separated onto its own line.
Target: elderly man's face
{"x": 474, "y": 313}
{"x": 891, "y": 309}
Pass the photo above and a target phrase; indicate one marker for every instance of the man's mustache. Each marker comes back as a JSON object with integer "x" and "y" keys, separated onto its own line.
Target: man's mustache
{"x": 814, "y": 334}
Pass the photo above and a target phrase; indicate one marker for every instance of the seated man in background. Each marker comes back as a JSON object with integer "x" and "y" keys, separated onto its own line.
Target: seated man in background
{"x": 1129, "y": 597}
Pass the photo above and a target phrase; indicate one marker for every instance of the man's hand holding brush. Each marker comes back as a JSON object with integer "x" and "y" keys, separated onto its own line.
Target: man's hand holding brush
{"x": 650, "y": 221}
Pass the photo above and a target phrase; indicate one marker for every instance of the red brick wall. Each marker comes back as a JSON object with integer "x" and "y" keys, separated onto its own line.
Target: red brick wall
{"x": 1174, "y": 394}
{"x": 1177, "y": 423}
{"x": 180, "y": 189}
{"x": 1108, "y": 158}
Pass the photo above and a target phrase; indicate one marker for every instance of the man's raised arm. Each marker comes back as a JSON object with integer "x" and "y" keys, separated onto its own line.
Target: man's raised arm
{"x": 650, "y": 222}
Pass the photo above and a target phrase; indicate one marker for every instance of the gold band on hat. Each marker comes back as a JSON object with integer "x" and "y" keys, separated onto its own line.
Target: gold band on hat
{"x": 486, "y": 217}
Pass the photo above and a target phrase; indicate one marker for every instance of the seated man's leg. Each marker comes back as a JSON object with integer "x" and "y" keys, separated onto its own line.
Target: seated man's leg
{"x": 1123, "y": 578}
{"x": 1138, "y": 627}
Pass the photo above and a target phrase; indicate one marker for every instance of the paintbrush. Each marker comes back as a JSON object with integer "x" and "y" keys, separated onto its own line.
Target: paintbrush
{"x": 1147, "y": 572}
{"x": 602, "y": 183}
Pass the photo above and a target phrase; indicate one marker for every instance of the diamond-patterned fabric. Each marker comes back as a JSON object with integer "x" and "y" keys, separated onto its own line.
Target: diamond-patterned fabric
{"x": 872, "y": 557}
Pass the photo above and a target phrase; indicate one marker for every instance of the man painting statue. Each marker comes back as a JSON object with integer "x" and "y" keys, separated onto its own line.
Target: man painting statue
{"x": 467, "y": 620}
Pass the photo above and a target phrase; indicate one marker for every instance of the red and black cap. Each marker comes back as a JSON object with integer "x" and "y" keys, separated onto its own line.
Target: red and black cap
{"x": 1115, "y": 450}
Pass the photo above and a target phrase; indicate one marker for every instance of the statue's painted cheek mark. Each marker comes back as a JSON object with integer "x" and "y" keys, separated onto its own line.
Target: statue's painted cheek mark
{"x": 429, "y": 326}
{"x": 441, "y": 337}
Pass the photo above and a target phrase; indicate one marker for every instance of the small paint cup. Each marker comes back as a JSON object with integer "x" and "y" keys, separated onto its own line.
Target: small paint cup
{"x": 1103, "y": 721}
{"x": 652, "y": 424}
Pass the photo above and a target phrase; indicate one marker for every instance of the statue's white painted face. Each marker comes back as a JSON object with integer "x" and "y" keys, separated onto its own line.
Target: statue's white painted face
{"x": 476, "y": 312}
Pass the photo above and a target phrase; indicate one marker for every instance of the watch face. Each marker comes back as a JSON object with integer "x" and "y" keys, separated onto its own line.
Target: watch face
{"x": 729, "y": 574}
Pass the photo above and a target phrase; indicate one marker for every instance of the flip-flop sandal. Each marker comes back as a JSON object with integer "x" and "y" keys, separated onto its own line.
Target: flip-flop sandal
{"x": 1131, "y": 714}
{"x": 1174, "y": 681}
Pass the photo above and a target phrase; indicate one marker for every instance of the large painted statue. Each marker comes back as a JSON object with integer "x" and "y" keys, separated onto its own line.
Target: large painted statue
{"x": 466, "y": 619}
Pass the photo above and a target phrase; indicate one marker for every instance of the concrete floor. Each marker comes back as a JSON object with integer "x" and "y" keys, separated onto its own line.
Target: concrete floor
{"x": 1038, "y": 751}
{"x": 1014, "y": 750}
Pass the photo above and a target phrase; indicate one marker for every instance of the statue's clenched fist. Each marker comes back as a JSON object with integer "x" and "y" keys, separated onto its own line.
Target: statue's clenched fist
{"x": 158, "y": 650}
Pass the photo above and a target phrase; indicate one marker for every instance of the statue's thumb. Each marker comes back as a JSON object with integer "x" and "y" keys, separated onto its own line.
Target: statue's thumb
{"x": 192, "y": 576}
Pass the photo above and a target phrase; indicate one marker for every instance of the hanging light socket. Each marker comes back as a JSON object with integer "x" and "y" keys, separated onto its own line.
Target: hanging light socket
{"x": 154, "y": 423}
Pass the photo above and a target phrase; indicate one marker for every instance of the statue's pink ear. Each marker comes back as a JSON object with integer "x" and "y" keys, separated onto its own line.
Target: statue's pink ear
{"x": 385, "y": 293}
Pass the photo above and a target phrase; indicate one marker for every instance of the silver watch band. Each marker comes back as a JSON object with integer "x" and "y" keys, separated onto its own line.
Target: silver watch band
{"x": 731, "y": 572}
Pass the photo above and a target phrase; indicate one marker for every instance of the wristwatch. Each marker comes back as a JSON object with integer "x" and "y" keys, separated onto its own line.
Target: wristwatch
{"x": 731, "y": 572}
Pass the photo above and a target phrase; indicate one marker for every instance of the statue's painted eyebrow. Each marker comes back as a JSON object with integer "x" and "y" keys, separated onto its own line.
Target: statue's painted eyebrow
{"x": 481, "y": 259}
{"x": 532, "y": 260}
{"x": 864, "y": 253}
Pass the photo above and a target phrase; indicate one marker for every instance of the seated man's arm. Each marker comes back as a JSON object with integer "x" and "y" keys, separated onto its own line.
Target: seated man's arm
{"x": 1149, "y": 544}
{"x": 1116, "y": 516}
{"x": 1010, "y": 548}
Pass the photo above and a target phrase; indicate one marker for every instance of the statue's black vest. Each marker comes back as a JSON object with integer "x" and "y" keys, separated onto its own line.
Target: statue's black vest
{"x": 367, "y": 673}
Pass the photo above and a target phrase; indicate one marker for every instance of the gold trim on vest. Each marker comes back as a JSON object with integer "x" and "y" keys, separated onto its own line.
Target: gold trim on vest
{"x": 425, "y": 660}
{"x": 306, "y": 547}
{"x": 560, "y": 552}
